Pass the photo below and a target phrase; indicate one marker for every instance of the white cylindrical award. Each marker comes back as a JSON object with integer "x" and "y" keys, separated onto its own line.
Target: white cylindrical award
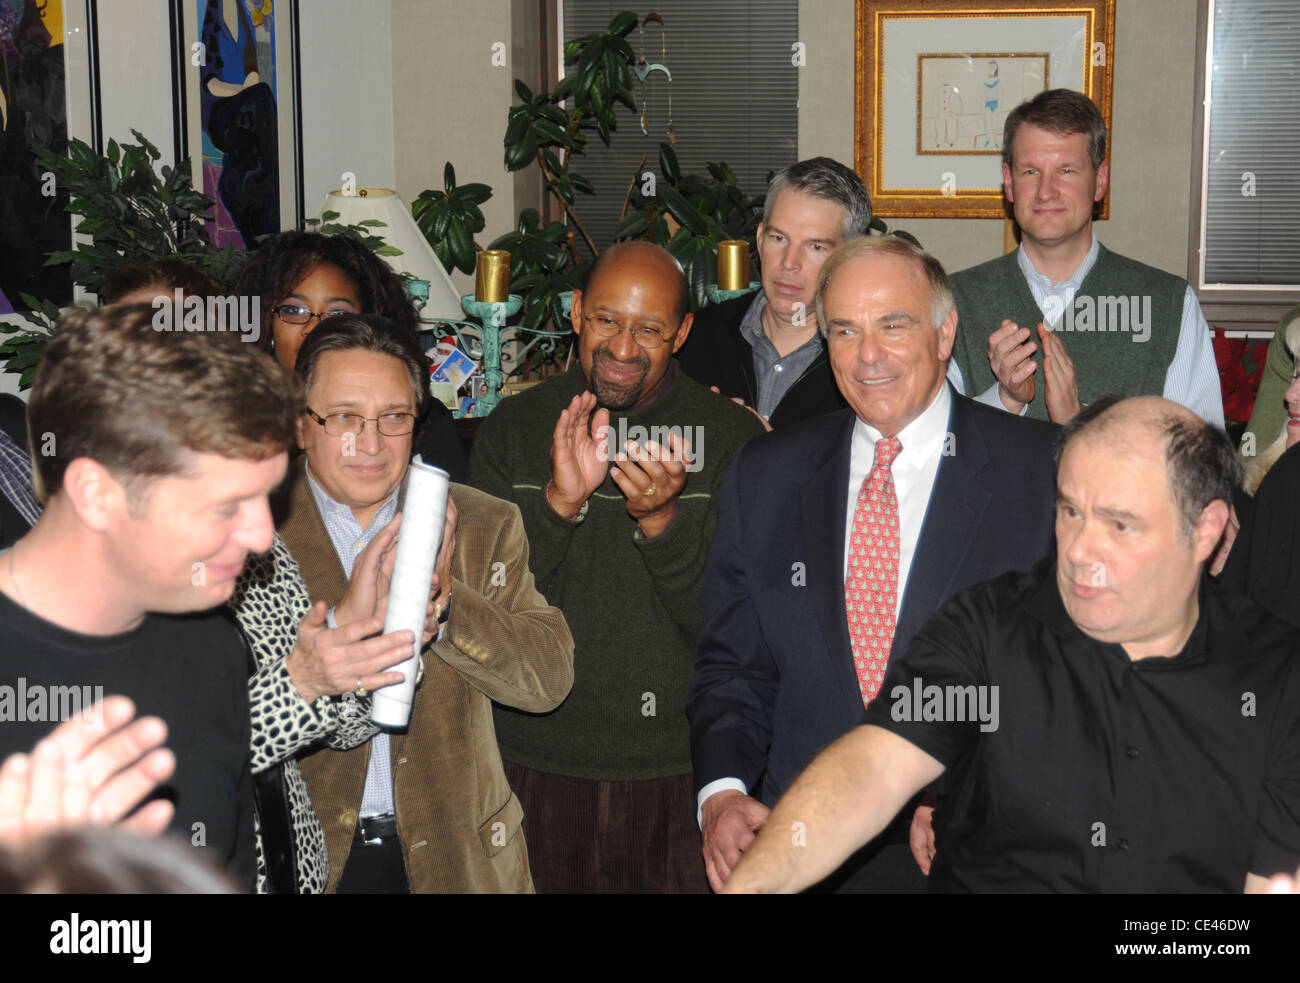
{"x": 424, "y": 513}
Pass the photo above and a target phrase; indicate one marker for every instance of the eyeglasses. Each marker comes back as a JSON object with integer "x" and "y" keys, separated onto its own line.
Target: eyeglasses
{"x": 607, "y": 327}
{"x": 297, "y": 314}
{"x": 390, "y": 424}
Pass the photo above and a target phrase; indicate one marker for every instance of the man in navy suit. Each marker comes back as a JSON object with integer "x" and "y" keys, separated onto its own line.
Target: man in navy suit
{"x": 930, "y": 491}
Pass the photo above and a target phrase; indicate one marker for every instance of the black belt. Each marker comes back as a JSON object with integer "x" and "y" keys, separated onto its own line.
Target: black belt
{"x": 374, "y": 830}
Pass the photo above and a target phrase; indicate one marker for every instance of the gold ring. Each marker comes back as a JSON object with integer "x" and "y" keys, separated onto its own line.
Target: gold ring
{"x": 650, "y": 492}
{"x": 360, "y": 691}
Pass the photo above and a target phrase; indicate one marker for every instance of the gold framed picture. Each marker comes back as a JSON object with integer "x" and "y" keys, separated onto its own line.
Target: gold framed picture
{"x": 936, "y": 79}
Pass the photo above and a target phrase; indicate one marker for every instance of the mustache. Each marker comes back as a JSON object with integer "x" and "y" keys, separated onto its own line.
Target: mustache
{"x": 603, "y": 352}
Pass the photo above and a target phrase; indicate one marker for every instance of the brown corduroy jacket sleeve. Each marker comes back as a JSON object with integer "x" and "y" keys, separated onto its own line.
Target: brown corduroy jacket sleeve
{"x": 502, "y": 635}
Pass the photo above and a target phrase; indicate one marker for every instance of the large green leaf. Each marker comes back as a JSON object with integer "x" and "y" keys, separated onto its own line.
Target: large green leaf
{"x": 517, "y": 126}
{"x": 632, "y": 226}
{"x": 522, "y": 152}
{"x": 622, "y": 23}
{"x": 668, "y": 164}
{"x": 461, "y": 246}
{"x": 546, "y": 132}
{"x": 590, "y": 57}
{"x": 563, "y": 89}
{"x": 683, "y": 211}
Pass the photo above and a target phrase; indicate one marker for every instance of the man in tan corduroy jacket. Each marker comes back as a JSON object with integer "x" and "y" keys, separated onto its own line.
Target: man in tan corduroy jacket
{"x": 454, "y": 824}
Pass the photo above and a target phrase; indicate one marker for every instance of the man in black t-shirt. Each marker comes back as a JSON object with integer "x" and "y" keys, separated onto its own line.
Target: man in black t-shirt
{"x": 1110, "y": 722}
{"x": 160, "y": 450}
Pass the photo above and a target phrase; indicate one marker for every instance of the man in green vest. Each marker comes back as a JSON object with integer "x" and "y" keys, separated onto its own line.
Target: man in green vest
{"x": 1106, "y": 323}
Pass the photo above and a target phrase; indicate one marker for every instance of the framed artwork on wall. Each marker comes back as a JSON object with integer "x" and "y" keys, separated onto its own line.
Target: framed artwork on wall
{"x": 936, "y": 79}
{"x": 48, "y": 92}
{"x": 236, "y": 78}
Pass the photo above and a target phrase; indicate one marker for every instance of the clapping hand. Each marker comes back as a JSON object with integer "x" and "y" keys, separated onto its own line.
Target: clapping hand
{"x": 1060, "y": 388}
{"x": 1009, "y": 357}
{"x": 578, "y": 461}
{"x": 652, "y": 477}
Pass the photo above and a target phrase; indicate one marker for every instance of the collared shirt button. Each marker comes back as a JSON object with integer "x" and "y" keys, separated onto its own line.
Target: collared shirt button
{"x": 778, "y": 367}
{"x": 1132, "y": 752}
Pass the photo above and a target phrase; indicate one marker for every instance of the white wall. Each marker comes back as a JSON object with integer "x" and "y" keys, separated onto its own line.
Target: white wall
{"x": 347, "y": 102}
{"x": 135, "y": 73}
{"x": 452, "y": 101}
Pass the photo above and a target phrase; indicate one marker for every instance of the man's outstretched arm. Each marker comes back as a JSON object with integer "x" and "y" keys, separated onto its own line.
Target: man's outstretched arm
{"x": 844, "y": 798}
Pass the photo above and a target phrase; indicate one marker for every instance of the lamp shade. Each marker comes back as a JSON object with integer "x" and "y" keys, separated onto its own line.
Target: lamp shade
{"x": 400, "y": 230}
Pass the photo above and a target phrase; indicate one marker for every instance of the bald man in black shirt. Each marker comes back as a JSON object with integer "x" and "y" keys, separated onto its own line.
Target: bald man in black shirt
{"x": 1110, "y": 722}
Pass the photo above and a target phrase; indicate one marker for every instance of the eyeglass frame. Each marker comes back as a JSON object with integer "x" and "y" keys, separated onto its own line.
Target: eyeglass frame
{"x": 586, "y": 317}
{"x": 319, "y": 315}
{"x": 364, "y": 420}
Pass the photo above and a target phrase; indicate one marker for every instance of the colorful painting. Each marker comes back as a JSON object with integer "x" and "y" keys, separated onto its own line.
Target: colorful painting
{"x": 33, "y": 118}
{"x": 238, "y": 106}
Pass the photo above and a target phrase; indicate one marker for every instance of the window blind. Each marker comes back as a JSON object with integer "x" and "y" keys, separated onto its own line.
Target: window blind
{"x": 734, "y": 96}
{"x": 1252, "y": 171}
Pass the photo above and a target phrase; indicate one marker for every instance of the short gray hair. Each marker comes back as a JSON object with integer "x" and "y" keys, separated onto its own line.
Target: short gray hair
{"x": 941, "y": 303}
{"x": 822, "y": 177}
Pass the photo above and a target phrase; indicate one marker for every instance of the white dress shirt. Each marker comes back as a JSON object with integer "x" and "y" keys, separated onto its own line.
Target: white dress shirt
{"x": 914, "y": 470}
{"x": 349, "y": 539}
{"x": 1192, "y": 378}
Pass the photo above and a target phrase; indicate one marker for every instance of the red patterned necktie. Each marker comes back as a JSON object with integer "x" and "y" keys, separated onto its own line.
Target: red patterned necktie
{"x": 871, "y": 583}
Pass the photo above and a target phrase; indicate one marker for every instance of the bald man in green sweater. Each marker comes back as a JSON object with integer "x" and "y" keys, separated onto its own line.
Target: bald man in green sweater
{"x": 615, "y": 466}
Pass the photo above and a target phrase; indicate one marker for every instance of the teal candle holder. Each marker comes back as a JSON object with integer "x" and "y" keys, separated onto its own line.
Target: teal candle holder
{"x": 492, "y": 315}
{"x": 484, "y": 334}
{"x": 717, "y": 296}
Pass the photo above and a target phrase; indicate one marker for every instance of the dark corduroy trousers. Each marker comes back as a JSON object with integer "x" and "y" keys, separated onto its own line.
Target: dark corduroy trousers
{"x": 587, "y": 836}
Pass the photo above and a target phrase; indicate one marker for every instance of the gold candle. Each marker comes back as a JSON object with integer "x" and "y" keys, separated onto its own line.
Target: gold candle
{"x": 733, "y": 264}
{"x": 492, "y": 277}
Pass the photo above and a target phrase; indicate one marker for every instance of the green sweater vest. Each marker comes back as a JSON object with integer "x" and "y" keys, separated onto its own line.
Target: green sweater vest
{"x": 1121, "y": 332}
{"x": 632, "y": 604}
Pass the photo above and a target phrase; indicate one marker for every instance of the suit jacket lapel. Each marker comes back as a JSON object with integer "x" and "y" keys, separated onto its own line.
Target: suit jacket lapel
{"x": 825, "y": 501}
{"x": 957, "y": 501}
{"x": 335, "y": 779}
{"x": 304, "y": 533}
